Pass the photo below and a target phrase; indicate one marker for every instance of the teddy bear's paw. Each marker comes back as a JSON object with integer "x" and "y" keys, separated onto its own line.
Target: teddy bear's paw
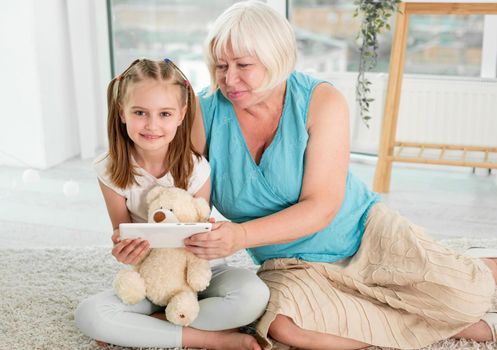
{"x": 129, "y": 286}
{"x": 182, "y": 309}
{"x": 198, "y": 275}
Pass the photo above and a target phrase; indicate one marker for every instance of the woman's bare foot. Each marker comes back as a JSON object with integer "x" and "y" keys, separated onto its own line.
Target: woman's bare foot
{"x": 492, "y": 264}
{"x": 480, "y": 331}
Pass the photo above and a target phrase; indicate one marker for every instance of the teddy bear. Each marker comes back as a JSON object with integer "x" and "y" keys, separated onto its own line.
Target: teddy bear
{"x": 169, "y": 277}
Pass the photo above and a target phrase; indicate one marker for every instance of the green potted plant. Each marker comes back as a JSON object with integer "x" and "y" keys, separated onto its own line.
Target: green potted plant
{"x": 375, "y": 15}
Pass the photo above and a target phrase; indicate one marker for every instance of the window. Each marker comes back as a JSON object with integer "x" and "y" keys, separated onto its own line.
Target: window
{"x": 325, "y": 31}
{"x": 441, "y": 45}
{"x": 157, "y": 29}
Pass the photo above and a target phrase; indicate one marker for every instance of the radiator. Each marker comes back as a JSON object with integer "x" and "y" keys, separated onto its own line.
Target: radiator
{"x": 441, "y": 110}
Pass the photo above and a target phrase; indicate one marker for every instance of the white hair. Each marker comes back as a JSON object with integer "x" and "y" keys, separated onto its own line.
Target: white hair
{"x": 256, "y": 29}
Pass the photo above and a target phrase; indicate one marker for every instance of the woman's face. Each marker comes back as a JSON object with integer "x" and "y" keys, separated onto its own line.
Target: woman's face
{"x": 238, "y": 77}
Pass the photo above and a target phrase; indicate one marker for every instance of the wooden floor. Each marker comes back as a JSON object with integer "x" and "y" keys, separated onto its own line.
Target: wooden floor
{"x": 448, "y": 202}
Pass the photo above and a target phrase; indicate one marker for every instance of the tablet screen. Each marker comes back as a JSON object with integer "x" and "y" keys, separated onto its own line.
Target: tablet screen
{"x": 165, "y": 235}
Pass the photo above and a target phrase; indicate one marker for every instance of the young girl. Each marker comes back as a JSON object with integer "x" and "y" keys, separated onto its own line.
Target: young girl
{"x": 151, "y": 108}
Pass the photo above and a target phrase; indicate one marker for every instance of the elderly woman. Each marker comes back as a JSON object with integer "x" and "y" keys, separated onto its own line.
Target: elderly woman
{"x": 344, "y": 270}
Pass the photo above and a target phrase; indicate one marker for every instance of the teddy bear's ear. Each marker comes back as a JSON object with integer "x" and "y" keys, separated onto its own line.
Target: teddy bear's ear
{"x": 153, "y": 194}
{"x": 203, "y": 209}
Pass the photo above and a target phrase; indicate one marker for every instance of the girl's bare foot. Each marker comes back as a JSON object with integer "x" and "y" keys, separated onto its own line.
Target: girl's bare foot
{"x": 219, "y": 340}
{"x": 102, "y": 343}
{"x": 160, "y": 315}
{"x": 237, "y": 341}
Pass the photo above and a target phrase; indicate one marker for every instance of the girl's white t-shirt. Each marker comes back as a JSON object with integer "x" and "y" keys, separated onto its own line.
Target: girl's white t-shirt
{"x": 135, "y": 194}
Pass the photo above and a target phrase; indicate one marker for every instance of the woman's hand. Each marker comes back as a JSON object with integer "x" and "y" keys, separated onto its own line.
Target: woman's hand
{"x": 225, "y": 239}
{"x": 129, "y": 251}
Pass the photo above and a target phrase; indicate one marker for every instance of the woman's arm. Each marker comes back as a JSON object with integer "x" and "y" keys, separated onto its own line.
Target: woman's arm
{"x": 129, "y": 251}
{"x": 323, "y": 188}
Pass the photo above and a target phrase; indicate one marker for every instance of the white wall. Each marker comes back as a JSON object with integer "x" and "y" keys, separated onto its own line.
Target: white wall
{"x": 47, "y": 115}
{"x": 21, "y": 124}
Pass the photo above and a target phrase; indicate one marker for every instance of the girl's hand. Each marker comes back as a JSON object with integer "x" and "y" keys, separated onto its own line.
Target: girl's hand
{"x": 129, "y": 251}
{"x": 225, "y": 239}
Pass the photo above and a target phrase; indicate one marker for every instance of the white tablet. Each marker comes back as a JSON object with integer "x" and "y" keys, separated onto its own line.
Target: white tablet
{"x": 167, "y": 235}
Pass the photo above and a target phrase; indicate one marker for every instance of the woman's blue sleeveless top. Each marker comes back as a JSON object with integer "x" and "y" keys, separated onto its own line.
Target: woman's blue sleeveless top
{"x": 243, "y": 190}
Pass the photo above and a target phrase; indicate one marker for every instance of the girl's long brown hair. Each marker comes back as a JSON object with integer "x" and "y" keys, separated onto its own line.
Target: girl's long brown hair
{"x": 178, "y": 160}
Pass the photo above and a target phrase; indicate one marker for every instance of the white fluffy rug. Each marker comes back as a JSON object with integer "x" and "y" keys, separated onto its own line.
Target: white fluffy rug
{"x": 40, "y": 289}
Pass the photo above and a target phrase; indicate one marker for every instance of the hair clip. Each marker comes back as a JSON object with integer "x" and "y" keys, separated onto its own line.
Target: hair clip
{"x": 187, "y": 83}
{"x": 167, "y": 60}
{"x": 119, "y": 77}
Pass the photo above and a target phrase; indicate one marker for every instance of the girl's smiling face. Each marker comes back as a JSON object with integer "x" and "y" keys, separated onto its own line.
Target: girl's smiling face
{"x": 152, "y": 111}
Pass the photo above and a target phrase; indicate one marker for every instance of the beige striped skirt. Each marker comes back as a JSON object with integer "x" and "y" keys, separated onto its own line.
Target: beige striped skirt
{"x": 401, "y": 289}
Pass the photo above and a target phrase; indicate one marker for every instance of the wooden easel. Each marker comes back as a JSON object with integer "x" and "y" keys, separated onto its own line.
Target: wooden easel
{"x": 388, "y": 144}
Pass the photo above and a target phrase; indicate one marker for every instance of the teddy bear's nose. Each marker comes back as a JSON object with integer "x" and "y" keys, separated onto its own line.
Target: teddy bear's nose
{"x": 159, "y": 216}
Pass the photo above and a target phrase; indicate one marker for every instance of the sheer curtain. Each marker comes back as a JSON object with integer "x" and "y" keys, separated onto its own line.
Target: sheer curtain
{"x": 90, "y": 57}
